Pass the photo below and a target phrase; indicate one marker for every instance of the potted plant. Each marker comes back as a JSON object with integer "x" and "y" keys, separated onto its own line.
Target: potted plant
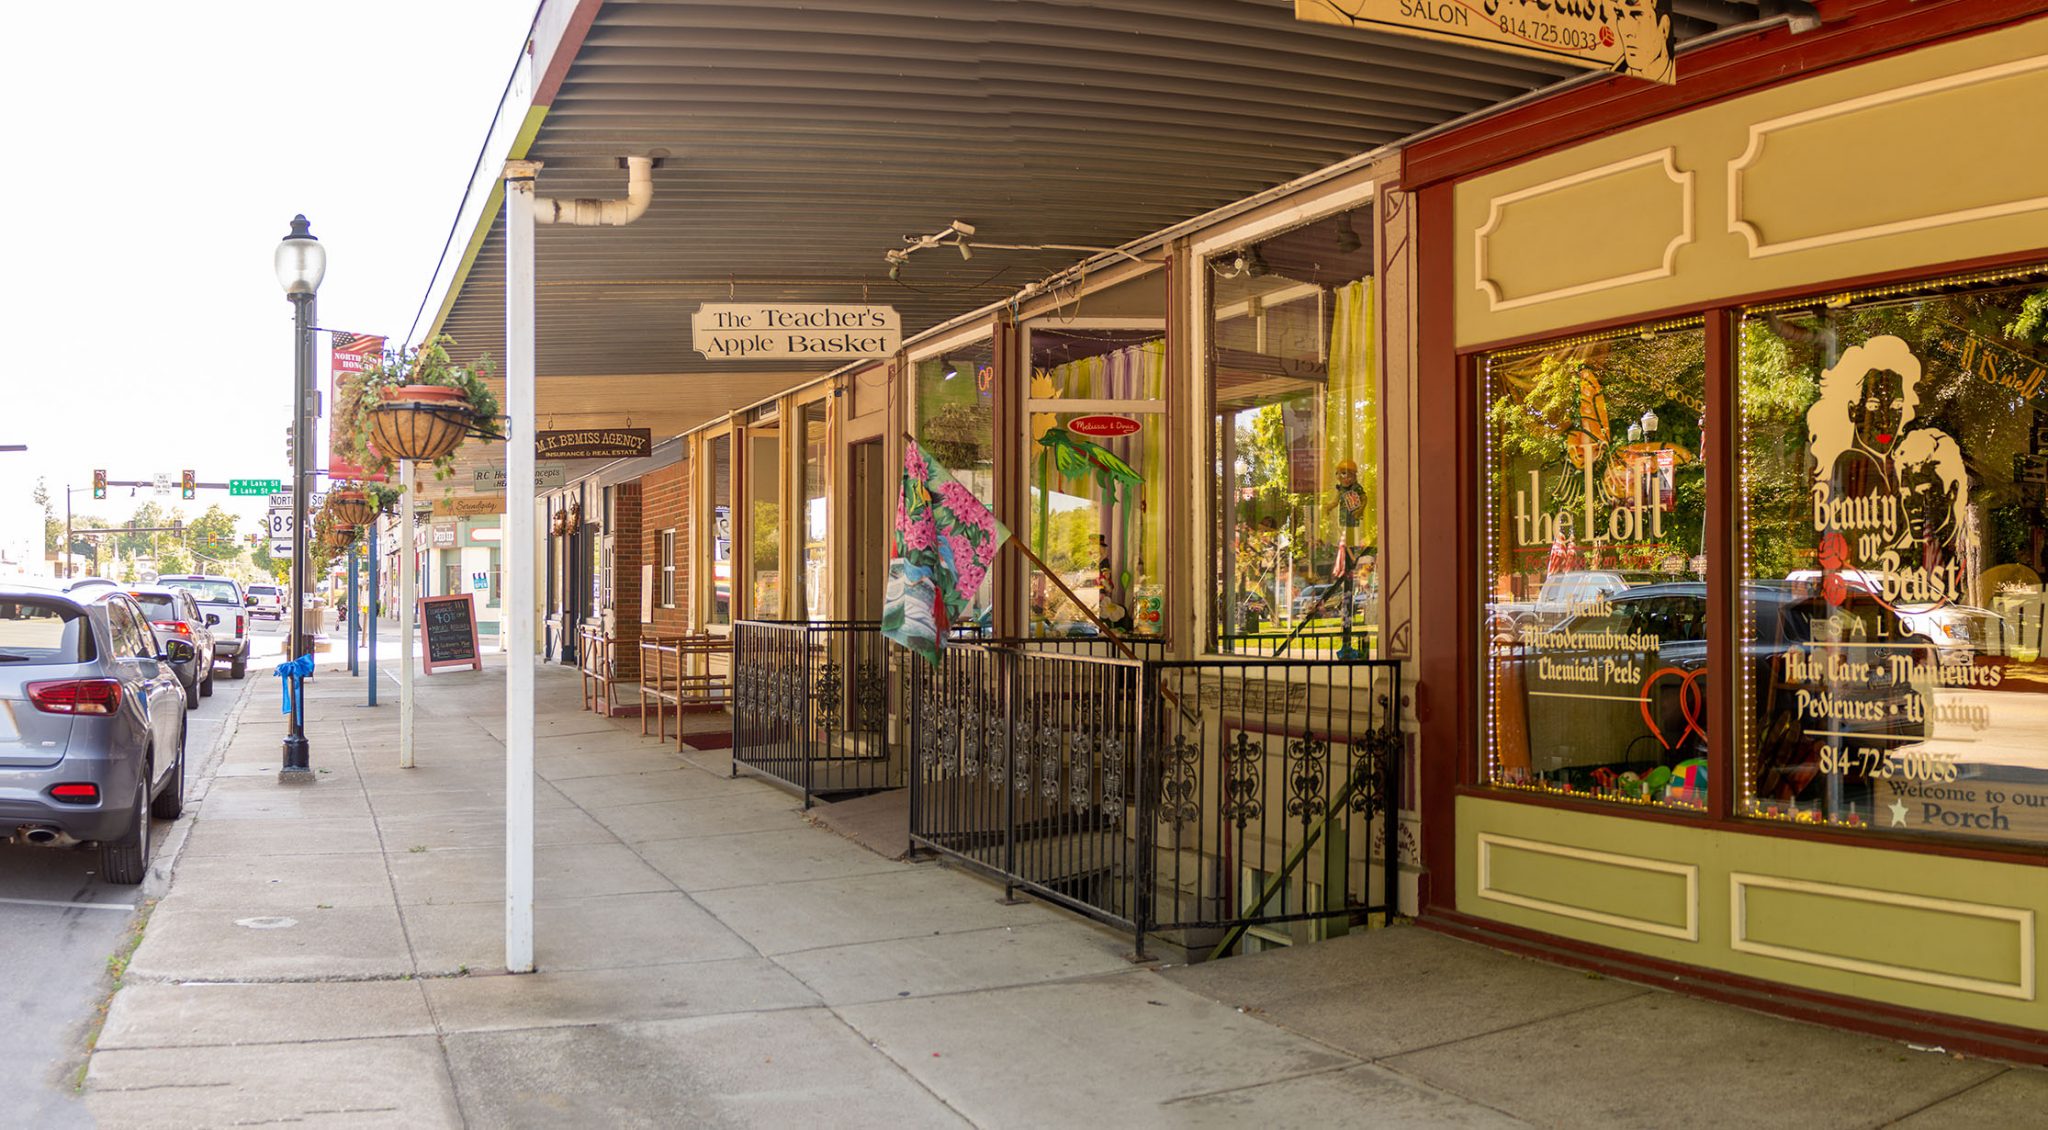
{"x": 351, "y": 504}
{"x": 418, "y": 404}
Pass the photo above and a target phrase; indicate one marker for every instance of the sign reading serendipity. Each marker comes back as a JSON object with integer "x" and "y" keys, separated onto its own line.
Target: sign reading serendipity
{"x": 448, "y": 633}
{"x": 1629, "y": 37}
{"x": 755, "y": 331}
{"x": 467, "y": 507}
{"x": 593, "y": 443}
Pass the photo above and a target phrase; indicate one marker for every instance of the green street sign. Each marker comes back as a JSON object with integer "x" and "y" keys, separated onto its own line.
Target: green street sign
{"x": 253, "y": 488}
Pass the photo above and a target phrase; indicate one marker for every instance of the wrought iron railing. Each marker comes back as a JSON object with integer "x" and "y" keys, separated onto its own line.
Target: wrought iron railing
{"x": 811, "y": 706}
{"x": 1212, "y": 799}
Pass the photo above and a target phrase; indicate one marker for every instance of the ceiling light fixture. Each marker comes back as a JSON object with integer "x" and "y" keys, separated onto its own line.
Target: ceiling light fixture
{"x": 947, "y": 367}
{"x": 1347, "y": 236}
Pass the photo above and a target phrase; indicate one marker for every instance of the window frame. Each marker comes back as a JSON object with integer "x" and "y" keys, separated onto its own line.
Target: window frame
{"x": 667, "y": 542}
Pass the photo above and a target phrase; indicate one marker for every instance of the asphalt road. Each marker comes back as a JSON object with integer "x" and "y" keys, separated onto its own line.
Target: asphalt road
{"x": 60, "y": 925}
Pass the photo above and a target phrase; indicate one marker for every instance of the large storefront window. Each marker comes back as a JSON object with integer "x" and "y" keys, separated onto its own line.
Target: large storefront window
{"x": 764, "y": 520}
{"x": 811, "y": 556}
{"x": 1595, "y": 623}
{"x": 1093, "y": 469}
{"x": 720, "y": 532}
{"x": 1292, "y": 353}
{"x": 1895, "y": 470}
{"x": 955, "y": 421}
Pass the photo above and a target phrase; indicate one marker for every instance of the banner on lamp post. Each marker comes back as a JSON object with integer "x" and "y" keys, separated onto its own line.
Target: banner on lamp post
{"x": 1628, "y": 37}
{"x": 773, "y": 331}
{"x": 348, "y": 355}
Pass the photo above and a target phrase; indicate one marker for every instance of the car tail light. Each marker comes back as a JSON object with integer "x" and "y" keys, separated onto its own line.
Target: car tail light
{"x": 238, "y": 624}
{"x": 177, "y": 626}
{"x": 80, "y": 792}
{"x": 76, "y": 696}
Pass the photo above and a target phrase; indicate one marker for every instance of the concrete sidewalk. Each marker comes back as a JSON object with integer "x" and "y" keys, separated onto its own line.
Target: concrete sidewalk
{"x": 330, "y": 955}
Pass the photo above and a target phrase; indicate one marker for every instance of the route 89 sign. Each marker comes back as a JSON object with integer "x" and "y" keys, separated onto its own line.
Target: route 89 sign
{"x": 280, "y": 525}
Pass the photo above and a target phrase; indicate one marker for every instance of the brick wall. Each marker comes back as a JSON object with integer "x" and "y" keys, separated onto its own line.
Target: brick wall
{"x": 626, "y": 559}
{"x": 665, "y": 505}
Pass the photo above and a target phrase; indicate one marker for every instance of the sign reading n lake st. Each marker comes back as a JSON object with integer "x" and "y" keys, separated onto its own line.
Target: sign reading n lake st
{"x": 593, "y": 443}
{"x": 758, "y": 331}
{"x": 253, "y": 488}
{"x": 1629, "y": 37}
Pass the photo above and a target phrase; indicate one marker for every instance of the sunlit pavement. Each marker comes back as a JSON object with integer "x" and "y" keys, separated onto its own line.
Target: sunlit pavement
{"x": 62, "y": 926}
{"x": 707, "y": 957}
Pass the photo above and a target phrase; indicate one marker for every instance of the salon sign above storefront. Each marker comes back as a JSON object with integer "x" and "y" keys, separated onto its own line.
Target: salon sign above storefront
{"x": 758, "y": 331}
{"x": 1630, "y": 37}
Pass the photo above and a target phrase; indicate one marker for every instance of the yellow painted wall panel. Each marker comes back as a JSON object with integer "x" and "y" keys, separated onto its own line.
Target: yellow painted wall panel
{"x": 1620, "y": 889}
{"x": 1947, "y": 942}
{"x": 1962, "y": 151}
{"x": 1618, "y": 223}
{"x": 1959, "y": 936}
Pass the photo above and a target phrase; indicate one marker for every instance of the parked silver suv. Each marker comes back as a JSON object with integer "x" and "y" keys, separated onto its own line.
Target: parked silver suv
{"x": 92, "y": 724}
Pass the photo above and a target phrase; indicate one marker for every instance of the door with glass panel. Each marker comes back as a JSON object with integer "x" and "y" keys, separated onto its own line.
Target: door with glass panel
{"x": 1094, "y": 467}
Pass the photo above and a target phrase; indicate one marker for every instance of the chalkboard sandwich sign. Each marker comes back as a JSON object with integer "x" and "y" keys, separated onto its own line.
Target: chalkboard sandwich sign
{"x": 448, "y": 633}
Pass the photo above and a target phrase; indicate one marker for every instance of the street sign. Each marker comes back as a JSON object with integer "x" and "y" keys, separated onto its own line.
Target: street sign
{"x": 163, "y": 484}
{"x": 281, "y": 524}
{"x": 282, "y": 500}
{"x": 280, "y": 549}
{"x": 253, "y": 488}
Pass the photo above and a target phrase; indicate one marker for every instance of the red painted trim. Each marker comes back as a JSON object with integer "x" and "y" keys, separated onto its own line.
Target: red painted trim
{"x": 1853, "y": 31}
{"x": 1444, "y": 579}
{"x": 1954, "y": 1033}
{"x": 567, "y": 48}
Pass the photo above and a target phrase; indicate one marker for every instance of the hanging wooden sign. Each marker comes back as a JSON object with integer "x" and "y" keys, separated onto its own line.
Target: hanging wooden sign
{"x": 593, "y": 443}
{"x": 747, "y": 331}
{"x": 1630, "y": 37}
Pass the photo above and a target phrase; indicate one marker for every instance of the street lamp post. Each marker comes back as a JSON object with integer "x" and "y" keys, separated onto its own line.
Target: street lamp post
{"x": 300, "y": 263}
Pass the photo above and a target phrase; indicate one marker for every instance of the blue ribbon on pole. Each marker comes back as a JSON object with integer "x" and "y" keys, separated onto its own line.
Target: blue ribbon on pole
{"x": 294, "y": 675}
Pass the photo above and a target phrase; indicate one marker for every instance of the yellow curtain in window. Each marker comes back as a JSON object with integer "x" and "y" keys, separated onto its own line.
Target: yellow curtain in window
{"x": 1351, "y": 413}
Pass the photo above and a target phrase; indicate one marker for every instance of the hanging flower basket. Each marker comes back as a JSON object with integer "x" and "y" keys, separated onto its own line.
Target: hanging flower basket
{"x": 351, "y": 506}
{"x": 420, "y": 422}
{"x": 559, "y": 524}
{"x": 341, "y": 536}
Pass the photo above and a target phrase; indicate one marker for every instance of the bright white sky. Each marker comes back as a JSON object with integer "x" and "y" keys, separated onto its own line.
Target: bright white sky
{"x": 157, "y": 153}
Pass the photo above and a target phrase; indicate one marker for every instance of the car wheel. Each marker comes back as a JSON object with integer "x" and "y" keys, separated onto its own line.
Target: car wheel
{"x": 206, "y": 686}
{"x": 126, "y": 860}
{"x": 170, "y": 803}
{"x": 192, "y": 692}
{"x": 240, "y": 668}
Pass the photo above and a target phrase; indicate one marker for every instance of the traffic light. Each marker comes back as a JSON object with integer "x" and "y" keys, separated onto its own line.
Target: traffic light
{"x": 99, "y": 484}
{"x": 190, "y": 485}
{"x": 290, "y": 451}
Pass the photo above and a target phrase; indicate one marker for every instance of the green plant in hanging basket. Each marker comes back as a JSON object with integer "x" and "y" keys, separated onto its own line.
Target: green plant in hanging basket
{"x": 417, "y": 404}
{"x": 351, "y": 504}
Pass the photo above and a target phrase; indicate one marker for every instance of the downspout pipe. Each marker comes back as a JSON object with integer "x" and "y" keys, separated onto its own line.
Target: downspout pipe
{"x": 586, "y": 213}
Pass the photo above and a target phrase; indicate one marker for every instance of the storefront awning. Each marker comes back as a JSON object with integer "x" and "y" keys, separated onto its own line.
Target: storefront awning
{"x": 805, "y": 139}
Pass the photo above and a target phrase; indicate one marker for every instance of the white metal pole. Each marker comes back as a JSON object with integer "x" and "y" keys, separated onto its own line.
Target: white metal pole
{"x": 517, "y": 561}
{"x": 408, "y": 595}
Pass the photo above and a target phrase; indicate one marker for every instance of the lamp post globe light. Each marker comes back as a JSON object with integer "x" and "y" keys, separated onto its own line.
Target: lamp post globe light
{"x": 301, "y": 263}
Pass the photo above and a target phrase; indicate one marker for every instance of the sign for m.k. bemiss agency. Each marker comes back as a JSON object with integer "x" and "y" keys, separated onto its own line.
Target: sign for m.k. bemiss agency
{"x": 1630, "y": 37}
{"x": 755, "y": 331}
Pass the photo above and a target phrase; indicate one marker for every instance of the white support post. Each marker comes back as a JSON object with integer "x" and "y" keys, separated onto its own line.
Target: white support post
{"x": 517, "y": 558}
{"x": 408, "y": 600}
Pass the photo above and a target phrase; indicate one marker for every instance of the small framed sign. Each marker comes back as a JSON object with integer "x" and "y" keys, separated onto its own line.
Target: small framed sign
{"x": 448, "y": 633}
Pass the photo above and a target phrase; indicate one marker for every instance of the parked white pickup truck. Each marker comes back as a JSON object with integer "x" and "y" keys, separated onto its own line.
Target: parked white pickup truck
{"x": 222, "y": 597}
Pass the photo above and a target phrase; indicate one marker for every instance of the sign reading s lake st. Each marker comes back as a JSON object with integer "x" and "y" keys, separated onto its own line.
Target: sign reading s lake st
{"x": 1630, "y": 37}
{"x": 593, "y": 443}
{"x": 758, "y": 331}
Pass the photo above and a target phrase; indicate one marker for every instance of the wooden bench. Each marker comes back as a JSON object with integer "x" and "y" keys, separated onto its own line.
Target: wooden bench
{"x": 676, "y": 674}
{"x": 597, "y": 657}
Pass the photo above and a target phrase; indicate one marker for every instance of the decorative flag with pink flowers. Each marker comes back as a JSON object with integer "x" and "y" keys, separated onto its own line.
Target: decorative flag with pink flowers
{"x": 946, "y": 541}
